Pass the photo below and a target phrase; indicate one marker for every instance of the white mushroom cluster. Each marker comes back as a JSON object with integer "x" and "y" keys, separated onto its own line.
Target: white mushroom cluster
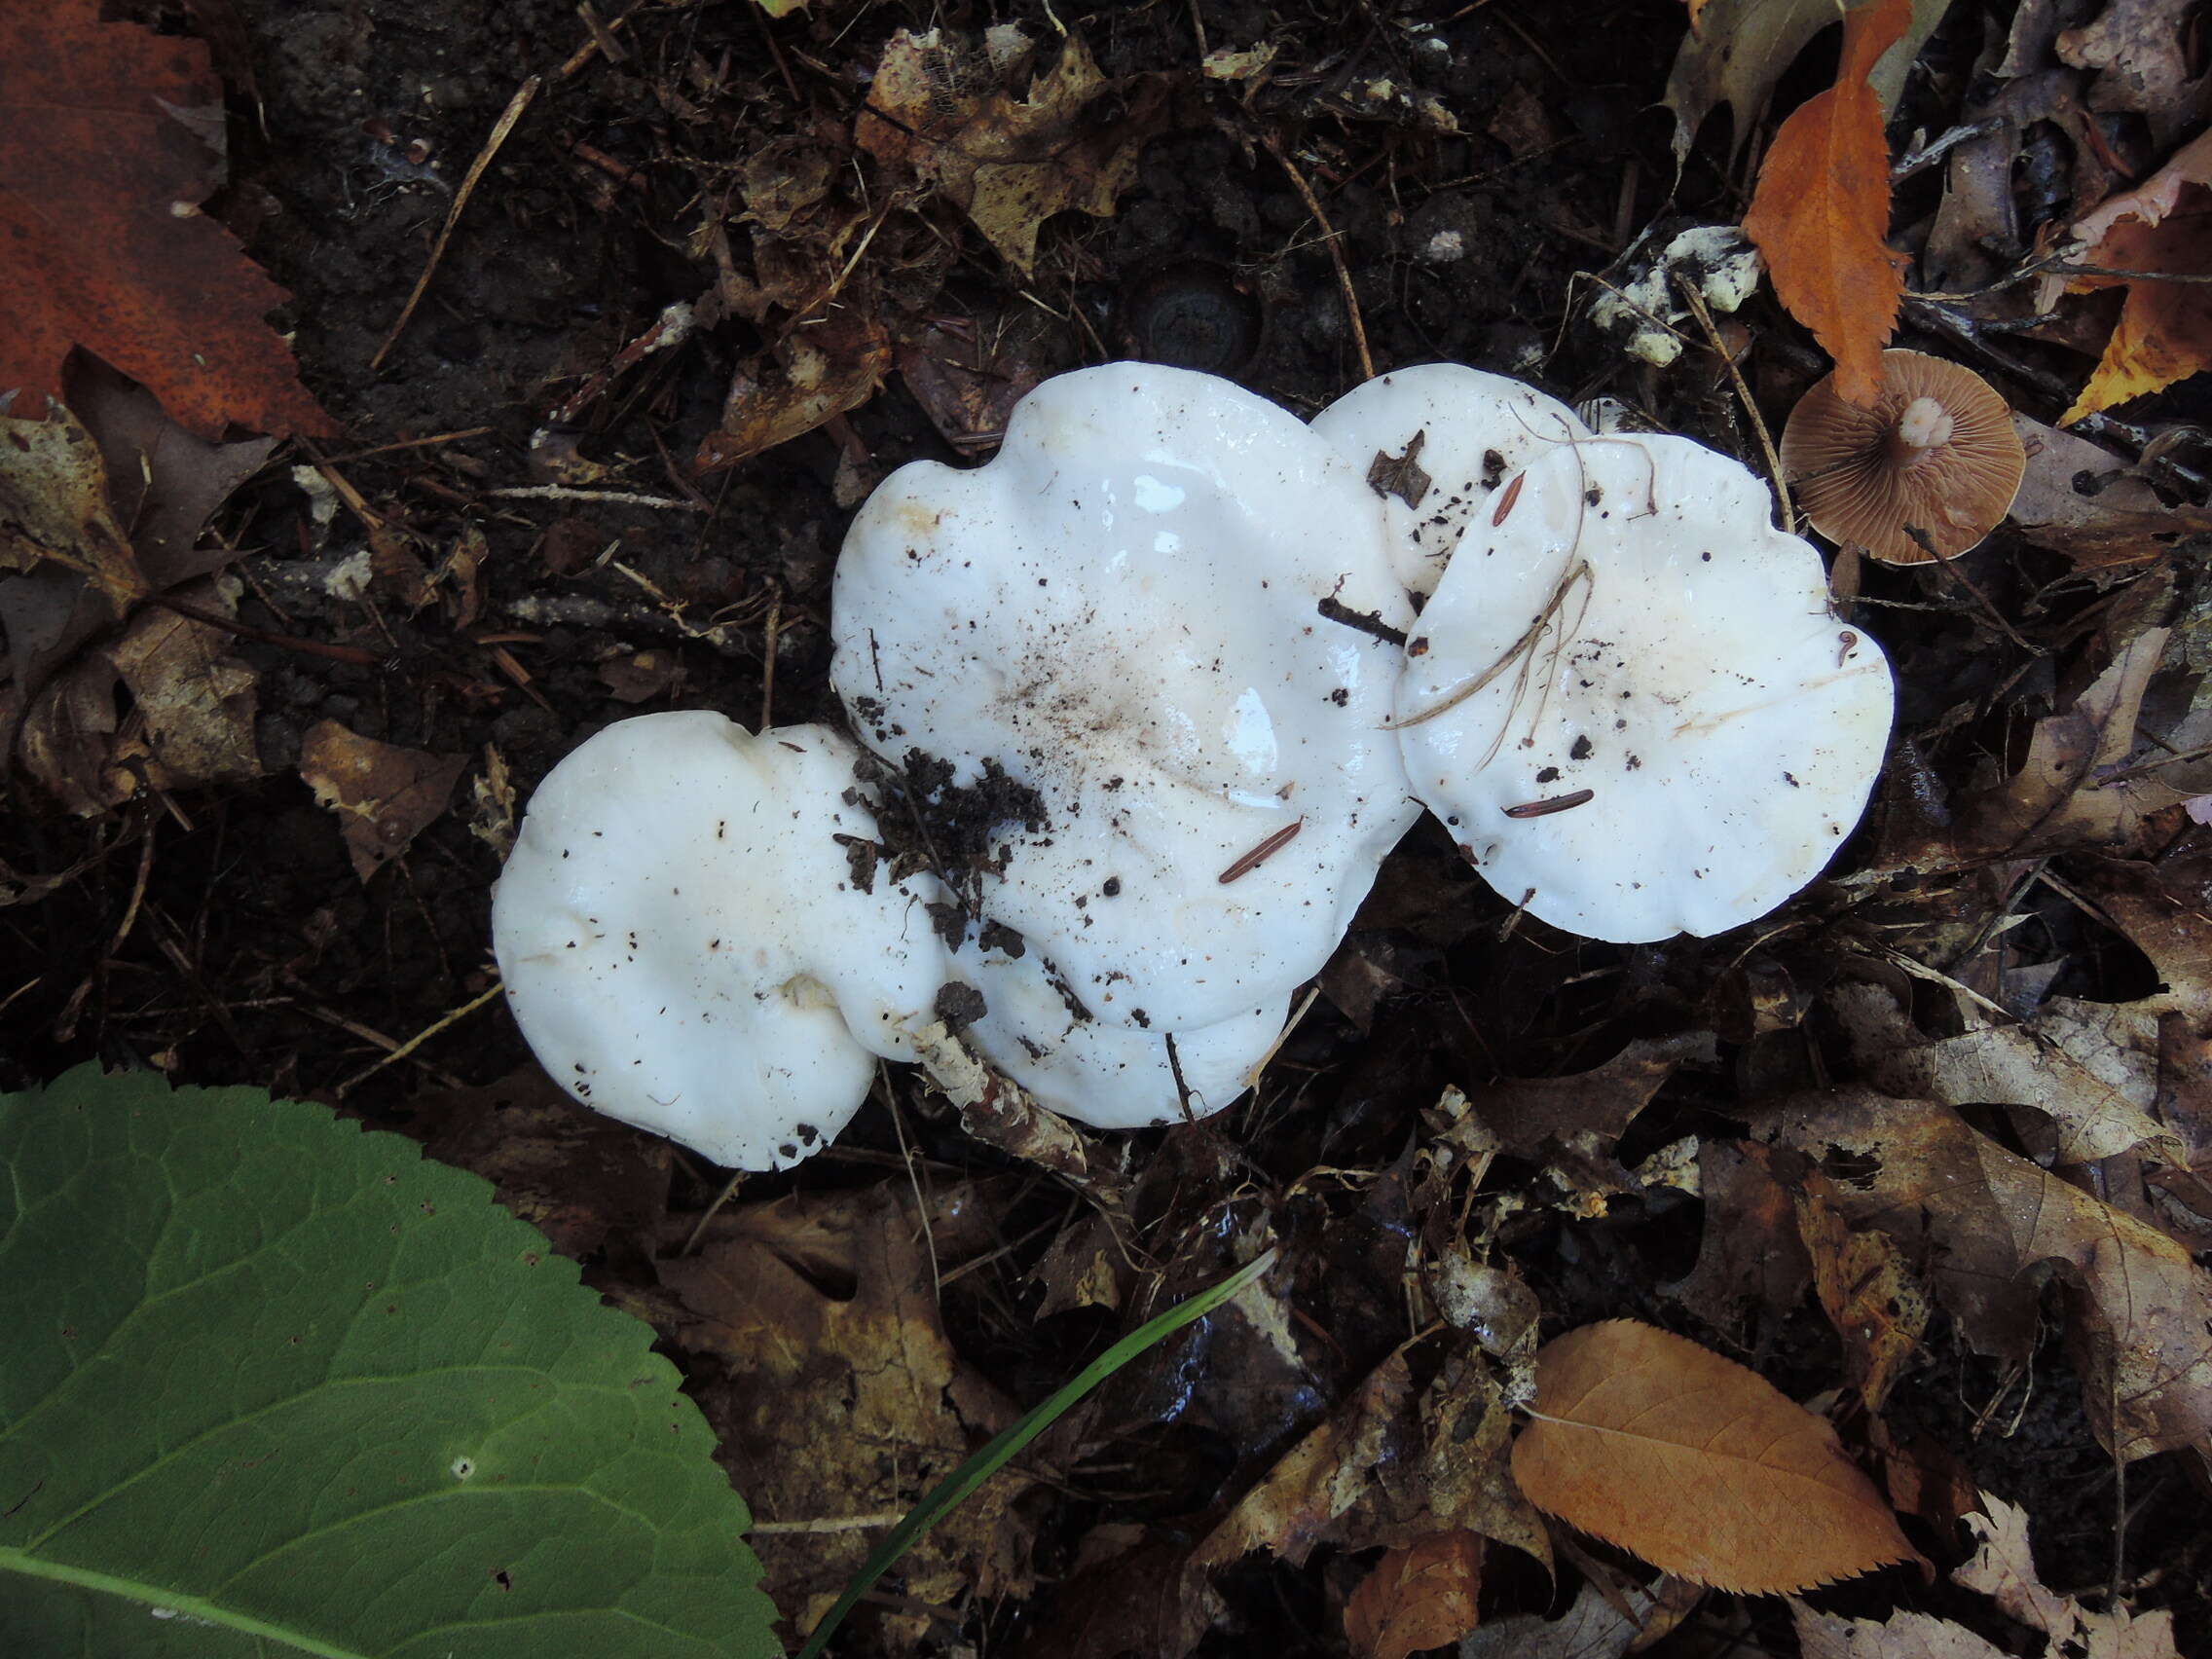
{"x": 1155, "y": 690}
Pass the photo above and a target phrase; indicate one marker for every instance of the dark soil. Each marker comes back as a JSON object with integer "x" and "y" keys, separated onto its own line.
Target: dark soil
{"x": 253, "y": 953}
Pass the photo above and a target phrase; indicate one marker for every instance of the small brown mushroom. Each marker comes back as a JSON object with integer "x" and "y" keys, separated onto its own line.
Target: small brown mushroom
{"x": 1925, "y": 473}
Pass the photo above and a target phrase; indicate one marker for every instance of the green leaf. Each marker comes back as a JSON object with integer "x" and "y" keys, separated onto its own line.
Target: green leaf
{"x": 272, "y": 1385}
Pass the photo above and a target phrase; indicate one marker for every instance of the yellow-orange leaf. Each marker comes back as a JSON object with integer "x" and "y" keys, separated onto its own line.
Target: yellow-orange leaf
{"x": 1416, "y": 1598}
{"x": 2164, "y": 332}
{"x": 1701, "y": 1467}
{"x": 1823, "y": 209}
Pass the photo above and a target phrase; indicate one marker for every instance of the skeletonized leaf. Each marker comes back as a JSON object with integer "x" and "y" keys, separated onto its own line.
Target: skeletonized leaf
{"x": 1700, "y": 1466}
{"x": 1822, "y": 210}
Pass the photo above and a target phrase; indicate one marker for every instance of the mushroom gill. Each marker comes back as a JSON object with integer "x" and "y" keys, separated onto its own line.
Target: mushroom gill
{"x": 1924, "y": 473}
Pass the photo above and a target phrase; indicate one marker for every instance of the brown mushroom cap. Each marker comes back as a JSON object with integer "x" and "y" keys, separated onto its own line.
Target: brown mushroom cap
{"x": 1936, "y": 454}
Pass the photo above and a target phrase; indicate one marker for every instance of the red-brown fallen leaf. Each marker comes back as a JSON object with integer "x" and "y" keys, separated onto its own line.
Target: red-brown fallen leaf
{"x": 2164, "y": 332}
{"x": 1416, "y": 1598}
{"x": 1700, "y": 1466}
{"x": 102, "y": 243}
{"x": 1823, "y": 209}
{"x": 1983, "y": 1218}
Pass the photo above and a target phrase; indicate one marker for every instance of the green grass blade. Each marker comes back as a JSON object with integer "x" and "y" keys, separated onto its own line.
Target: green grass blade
{"x": 987, "y": 1463}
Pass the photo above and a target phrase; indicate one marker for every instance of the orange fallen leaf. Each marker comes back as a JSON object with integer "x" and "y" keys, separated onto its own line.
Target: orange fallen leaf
{"x": 1822, "y": 210}
{"x": 2162, "y": 226}
{"x": 1416, "y": 1598}
{"x": 1700, "y": 1466}
{"x": 102, "y": 243}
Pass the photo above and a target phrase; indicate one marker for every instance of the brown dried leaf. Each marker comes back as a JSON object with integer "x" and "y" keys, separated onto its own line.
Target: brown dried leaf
{"x": 1530, "y": 1115}
{"x": 55, "y": 510}
{"x": 2164, "y": 332}
{"x": 836, "y": 1407}
{"x": 2094, "y": 1067}
{"x": 189, "y": 720}
{"x": 1982, "y": 1218}
{"x": 1316, "y": 1481}
{"x": 1737, "y": 50}
{"x": 2139, "y": 49}
{"x": 1868, "y": 1293}
{"x": 1450, "y": 1471}
{"x": 820, "y": 370}
{"x": 1822, "y": 210}
{"x": 969, "y": 376}
{"x": 1416, "y": 1598}
{"x": 101, "y": 240}
{"x": 2093, "y": 506}
{"x": 384, "y": 795}
{"x": 1750, "y": 1255}
{"x": 1700, "y": 1466}
{"x": 574, "y": 1174}
{"x": 2075, "y": 790}
{"x": 1901, "y": 1636}
{"x": 939, "y": 110}
{"x": 2004, "y": 1569}
{"x": 163, "y": 482}
{"x": 1592, "y": 1629}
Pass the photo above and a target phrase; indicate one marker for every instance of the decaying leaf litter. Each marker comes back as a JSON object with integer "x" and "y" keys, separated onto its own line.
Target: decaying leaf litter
{"x": 1928, "y": 1150}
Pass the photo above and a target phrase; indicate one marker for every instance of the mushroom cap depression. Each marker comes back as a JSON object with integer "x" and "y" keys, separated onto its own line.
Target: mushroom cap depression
{"x": 1437, "y": 443}
{"x": 1630, "y": 703}
{"x": 1936, "y": 453}
{"x": 1135, "y": 618}
{"x": 684, "y": 944}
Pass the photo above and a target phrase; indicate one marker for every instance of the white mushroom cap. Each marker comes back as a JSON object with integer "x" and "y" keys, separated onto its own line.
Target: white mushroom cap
{"x": 1111, "y": 1077}
{"x": 684, "y": 945}
{"x": 1475, "y": 431}
{"x": 1123, "y": 612}
{"x": 1637, "y": 631}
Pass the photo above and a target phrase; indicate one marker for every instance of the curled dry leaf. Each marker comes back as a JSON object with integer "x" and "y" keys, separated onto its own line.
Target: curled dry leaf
{"x": 828, "y": 368}
{"x": 2163, "y": 226}
{"x": 1751, "y": 1256}
{"x": 2004, "y": 1569}
{"x": 1983, "y": 1218}
{"x": 1592, "y": 1629}
{"x": 2094, "y": 1067}
{"x": 1416, "y": 1598}
{"x": 2139, "y": 50}
{"x": 1737, "y": 50}
{"x": 937, "y": 109}
{"x": 53, "y": 508}
{"x": 1700, "y": 1466}
{"x": 840, "y": 1406}
{"x": 1867, "y": 1289}
{"x": 1822, "y": 209}
{"x": 2091, "y": 505}
{"x": 384, "y": 795}
{"x": 188, "y": 720}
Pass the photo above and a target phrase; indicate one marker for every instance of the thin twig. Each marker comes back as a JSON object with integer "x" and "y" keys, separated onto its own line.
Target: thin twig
{"x": 603, "y": 498}
{"x": 1335, "y": 252}
{"x": 403, "y": 1049}
{"x": 1687, "y": 288}
{"x": 504, "y": 126}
